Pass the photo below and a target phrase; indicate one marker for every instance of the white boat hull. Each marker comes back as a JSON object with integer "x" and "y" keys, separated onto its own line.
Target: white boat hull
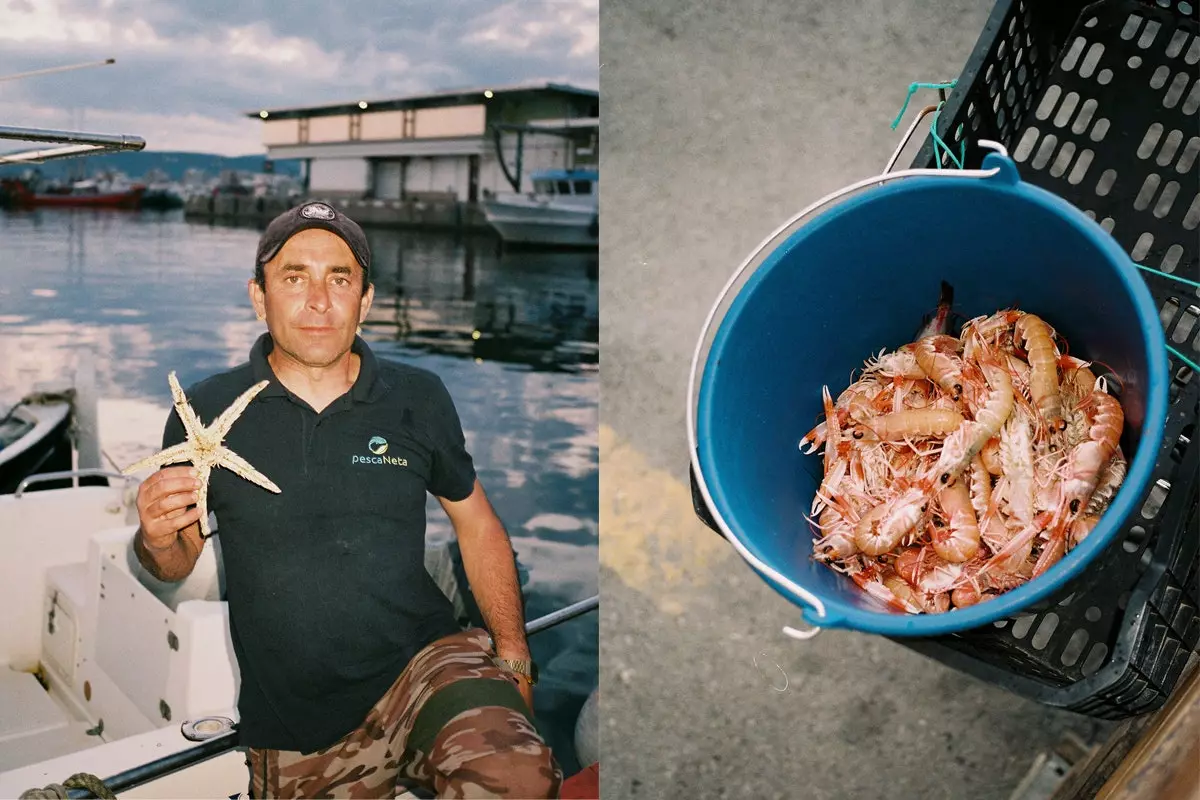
{"x": 543, "y": 222}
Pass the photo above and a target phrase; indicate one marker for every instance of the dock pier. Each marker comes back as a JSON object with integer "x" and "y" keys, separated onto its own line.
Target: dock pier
{"x": 411, "y": 213}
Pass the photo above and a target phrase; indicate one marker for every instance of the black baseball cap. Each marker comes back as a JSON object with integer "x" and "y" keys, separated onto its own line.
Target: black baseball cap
{"x": 314, "y": 214}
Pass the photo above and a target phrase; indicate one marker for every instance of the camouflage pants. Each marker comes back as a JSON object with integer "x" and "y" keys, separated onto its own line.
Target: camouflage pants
{"x": 453, "y": 722}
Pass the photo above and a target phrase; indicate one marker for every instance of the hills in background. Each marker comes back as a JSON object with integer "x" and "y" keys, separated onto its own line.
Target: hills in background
{"x": 135, "y": 165}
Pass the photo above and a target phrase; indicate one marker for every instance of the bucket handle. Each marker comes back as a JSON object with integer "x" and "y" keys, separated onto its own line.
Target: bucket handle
{"x": 700, "y": 484}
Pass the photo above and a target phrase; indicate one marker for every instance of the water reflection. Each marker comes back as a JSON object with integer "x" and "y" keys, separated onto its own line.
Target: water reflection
{"x": 109, "y": 279}
{"x": 467, "y": 297}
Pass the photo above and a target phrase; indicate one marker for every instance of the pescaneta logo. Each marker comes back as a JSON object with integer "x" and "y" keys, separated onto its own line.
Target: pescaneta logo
{"x": 378, "y": 446}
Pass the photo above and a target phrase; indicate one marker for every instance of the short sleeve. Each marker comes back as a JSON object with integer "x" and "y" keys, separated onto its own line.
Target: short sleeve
{"x": 453, "y": 473}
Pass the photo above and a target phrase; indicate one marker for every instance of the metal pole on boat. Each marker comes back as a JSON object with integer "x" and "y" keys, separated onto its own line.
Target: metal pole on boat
{"x": 211, "y": 748}
{"x": 65, "y": 68}
{"x": 78, "y": 143}
{"x": 119, "y": 141}
{"x": 50, "y": 153}
{"x": 73, "y": 143}
{"x": 164, "y": 766}
{"x": 562, "y": 615}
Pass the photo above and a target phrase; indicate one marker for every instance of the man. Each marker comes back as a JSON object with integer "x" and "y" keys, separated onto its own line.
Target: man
{"x": 355, "y": 678}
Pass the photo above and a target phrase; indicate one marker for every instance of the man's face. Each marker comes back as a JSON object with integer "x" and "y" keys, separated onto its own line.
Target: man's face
{"x": 313, "y": 301}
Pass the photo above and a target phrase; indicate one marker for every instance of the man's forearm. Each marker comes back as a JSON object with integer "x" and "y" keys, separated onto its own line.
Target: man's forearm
{"x": 492, "y": 572}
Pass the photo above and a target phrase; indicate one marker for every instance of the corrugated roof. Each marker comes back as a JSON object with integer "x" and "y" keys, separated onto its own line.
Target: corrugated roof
{"x": 439, "y": 99}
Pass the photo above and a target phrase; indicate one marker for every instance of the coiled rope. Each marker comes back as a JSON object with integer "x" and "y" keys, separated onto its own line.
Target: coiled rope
{"x": 80, "y": 780}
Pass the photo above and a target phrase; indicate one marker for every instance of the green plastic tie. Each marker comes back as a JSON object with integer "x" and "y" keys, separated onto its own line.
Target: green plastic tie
{"x": 938, "y": 142}
{"x": 1167, "y": 275}
{"x": 912, "y": 89}
{"x": 1173, "y": 351}
{"x": 1184, "y": 359}
{"x": 939, "y": 146}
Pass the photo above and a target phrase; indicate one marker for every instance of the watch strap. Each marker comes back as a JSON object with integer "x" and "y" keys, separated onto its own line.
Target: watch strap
{"x": 526, "y": 669}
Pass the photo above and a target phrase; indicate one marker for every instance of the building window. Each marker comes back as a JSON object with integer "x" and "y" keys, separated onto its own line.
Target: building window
{"x": 583, "y": 187}
{"x": 564, "y": 187}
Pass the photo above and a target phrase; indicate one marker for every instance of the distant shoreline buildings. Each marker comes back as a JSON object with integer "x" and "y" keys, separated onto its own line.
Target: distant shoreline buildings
{"x": 426, "y": 160}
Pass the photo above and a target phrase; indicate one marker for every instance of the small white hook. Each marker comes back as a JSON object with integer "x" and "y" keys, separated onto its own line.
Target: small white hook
{"x": 801, "y": 635}
{"x": 993, "y": 145}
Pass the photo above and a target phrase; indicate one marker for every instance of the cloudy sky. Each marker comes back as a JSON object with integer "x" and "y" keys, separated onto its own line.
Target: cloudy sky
{"x": 186, "y": 69}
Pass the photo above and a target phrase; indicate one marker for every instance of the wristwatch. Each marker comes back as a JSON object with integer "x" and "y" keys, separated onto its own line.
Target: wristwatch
{"x": 526, "y": 669}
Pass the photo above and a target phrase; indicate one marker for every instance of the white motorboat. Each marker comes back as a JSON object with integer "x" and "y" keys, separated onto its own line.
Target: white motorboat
{"x": 97, "y": 658}
{"x": 34, "y": 437}
{"x": 562, "y": 210}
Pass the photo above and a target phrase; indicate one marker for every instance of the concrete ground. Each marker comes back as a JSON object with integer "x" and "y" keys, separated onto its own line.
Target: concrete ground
{"x": 719, "y": 121}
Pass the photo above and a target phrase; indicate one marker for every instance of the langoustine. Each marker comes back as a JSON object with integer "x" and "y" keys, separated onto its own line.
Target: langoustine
{"x": 959, "y": 467}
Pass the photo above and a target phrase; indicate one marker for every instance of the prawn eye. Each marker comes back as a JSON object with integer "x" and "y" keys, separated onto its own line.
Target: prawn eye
{"x": 857, "y": 434}
{"x": 924, "y": 507}
{"x": 945, "y": 477}
{"x": 1075, "y": 505}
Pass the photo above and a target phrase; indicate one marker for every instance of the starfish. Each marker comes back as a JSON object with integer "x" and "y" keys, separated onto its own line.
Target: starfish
{"x": 203, "y": 447}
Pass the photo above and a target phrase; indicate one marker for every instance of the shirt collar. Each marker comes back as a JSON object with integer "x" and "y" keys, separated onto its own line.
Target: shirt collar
{"x": 368, "y": 387}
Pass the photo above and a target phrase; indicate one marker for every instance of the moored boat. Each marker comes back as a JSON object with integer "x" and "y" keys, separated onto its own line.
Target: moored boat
{"x": 81, "y": 194}
{"x": 562, "y": 210}
{"x": 161, "y": 197}
{"x": 35, "y": 437}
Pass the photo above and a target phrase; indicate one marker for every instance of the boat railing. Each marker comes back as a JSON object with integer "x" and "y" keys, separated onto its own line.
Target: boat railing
{"x": 43, "y": 477}
{"x": 562, "y": 615}
{"x": 228, "y": 739}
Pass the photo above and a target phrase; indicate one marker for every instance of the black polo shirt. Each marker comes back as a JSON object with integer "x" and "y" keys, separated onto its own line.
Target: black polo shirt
{"x": 328, "y": 594}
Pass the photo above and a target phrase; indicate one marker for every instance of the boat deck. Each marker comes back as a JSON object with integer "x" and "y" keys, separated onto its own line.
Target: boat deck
{"x": 35, "y": 727}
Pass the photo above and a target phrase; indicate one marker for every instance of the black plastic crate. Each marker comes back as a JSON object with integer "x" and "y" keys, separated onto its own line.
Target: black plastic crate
{"x": 1097, "y": 102}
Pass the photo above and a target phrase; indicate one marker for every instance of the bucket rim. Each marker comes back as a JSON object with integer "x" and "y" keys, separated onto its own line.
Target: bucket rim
{"x": 840, "y": 614}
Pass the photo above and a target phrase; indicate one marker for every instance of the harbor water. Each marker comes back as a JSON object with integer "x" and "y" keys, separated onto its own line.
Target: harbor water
{"x": 512, "y": 334}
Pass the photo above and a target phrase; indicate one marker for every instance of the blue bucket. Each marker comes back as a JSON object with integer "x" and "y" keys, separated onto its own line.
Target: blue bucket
{"x": 858, "y": 278}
